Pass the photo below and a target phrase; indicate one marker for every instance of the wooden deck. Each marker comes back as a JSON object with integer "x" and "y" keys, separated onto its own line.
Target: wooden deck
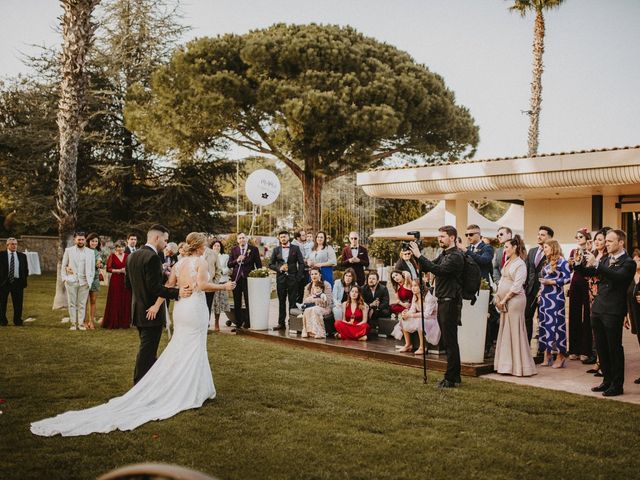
{"x": 382, "y": 349}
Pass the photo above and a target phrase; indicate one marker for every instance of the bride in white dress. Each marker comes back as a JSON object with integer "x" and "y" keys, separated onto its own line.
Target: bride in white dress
{"x": 181, "y": 377}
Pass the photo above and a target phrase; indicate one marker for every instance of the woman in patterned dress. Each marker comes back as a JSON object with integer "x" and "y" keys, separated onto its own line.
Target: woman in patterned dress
{"x": 220, "y": 297}
{"x": 551, "y": 314}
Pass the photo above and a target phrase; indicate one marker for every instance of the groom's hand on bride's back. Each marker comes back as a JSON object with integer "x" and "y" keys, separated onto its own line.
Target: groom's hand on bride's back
{"x": 186, "y": 291}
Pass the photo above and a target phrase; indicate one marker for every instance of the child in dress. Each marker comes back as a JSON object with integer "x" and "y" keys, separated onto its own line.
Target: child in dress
{"x": 317, "y": 292}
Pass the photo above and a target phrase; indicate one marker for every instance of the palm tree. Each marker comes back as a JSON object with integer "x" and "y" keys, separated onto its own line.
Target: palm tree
{"x": 77, "y": 35}
{"x": 537, "y": 6}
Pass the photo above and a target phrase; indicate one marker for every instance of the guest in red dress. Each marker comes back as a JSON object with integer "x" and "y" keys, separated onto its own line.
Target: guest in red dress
{"x": 354, "y": 326}
{"x": 117, "y": 313}
{"x": 401, "y": 283}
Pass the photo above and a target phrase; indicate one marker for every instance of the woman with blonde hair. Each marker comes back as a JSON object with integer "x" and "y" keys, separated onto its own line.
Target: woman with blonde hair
{"x": 551, "y": 312}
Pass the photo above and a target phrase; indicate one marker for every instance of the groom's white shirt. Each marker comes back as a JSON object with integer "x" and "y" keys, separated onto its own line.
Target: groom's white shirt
{"x": 83, "y": 263}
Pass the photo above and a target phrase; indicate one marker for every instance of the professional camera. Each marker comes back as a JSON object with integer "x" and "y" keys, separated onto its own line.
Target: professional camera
{"x": 416, "y": 236}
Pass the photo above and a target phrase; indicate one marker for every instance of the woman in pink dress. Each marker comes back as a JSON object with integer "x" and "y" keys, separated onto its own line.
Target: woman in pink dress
{"x": 117, "y": 313}
{"x": 354, "y": 325}
{"x": 401, "y": 283}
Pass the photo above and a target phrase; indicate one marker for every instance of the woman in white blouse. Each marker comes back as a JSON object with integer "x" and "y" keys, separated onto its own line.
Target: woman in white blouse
{"x": 323, "y": 256}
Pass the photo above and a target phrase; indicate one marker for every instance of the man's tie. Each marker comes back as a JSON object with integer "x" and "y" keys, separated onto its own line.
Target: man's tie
{"x": 12, "y": 267}
{"x": 538, "y": 256}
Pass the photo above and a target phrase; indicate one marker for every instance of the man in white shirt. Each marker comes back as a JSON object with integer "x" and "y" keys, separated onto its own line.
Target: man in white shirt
{"x": 77, "y": 271}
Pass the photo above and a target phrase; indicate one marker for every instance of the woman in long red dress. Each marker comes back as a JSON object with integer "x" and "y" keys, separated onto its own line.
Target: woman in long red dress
{"x": 354, "y": 326}
{"x": 117, "y": 313}
{"x": 401, "y": 283}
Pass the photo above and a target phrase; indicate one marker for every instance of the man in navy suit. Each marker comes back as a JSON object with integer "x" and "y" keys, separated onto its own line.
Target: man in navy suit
{"x": 615, "y": 272}
{"x": 13, "y": 280}
{"x": 243, "y": 259}
{"x": 288, "y": 262}
{"x": 535, "y": 261}
{"x": 482, "y": 254}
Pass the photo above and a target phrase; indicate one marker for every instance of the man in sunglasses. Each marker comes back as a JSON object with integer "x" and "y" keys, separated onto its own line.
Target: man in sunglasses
{"x": 504, "y": 234}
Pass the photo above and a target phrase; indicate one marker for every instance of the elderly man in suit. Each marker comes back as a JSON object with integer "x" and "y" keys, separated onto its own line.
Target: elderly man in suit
{"x": 355, "y": 256}
{"x": 535, "y": 261}
{"x": 288, "y": 263}
{"x": 14, "y": 271}
{"x": 615, "y": 272}
{"x": 243, "y": 259}
{"x": 77, "y": 271}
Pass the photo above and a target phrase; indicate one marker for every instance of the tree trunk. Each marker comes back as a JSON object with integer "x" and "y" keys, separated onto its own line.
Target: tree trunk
{"x": 536, "y": 83}
{"x": 77, "y": 34}
{"x": 312, "y": 191}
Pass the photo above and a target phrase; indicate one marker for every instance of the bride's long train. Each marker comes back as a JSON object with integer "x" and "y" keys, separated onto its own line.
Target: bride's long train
{"x": 179, "y": 380}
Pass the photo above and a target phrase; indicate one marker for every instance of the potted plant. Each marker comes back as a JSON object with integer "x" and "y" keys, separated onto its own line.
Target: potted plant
{"x": 259, "y": 286}
{"x": 472, "y": 333}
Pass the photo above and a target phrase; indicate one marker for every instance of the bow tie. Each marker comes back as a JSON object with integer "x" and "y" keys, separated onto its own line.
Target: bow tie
{"x": 285, "y": 247}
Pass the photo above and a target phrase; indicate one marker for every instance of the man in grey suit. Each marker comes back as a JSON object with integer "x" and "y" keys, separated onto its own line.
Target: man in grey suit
{"x": 535, "y": 261}
{"x": 504, "y": 234}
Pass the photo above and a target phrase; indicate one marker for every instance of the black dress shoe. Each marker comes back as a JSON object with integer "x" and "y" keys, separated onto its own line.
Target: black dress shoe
{"x": 613, "y": 392}
{"x": 592, "y": 370}
{"x": 637, "y": 381}
{"x": 598, "y": 374}
{"x": 279, "y": 327}
{"x": 601, "y": 388}
{"x": 444, "y": 383}
{"x": 590, "y": 361}
{"x": 236, "y": 329}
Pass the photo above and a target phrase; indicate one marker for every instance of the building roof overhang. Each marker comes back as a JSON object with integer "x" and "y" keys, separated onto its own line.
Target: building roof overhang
{"x": 613, "y": 171}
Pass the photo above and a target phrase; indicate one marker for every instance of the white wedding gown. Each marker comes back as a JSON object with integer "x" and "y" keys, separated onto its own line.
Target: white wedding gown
{"x": 179, "y": 380}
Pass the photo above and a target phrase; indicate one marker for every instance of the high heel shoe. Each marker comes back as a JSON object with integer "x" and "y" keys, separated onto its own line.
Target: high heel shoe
{"x": 561, "y": 364}
{"x": 547, "y": 363}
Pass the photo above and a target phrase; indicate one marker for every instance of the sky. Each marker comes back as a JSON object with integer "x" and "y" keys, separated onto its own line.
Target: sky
{"x": 590, "y": 96}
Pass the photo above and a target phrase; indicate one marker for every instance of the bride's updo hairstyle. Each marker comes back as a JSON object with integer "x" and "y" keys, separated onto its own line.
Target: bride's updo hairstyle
{"x": 195, "y": 240}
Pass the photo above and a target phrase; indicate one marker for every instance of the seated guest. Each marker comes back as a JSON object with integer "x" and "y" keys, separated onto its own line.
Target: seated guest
{"x": 407, "y": 263}
{"x": 513, "y": 355}
{"x": 341, "y": 291}
{"x": 376, "y": 296}
{"x": 401, "y": 283}
{"x": 411, "y": 320}
{"x": 354, "y": 325}
{"x": 317, "y": 304}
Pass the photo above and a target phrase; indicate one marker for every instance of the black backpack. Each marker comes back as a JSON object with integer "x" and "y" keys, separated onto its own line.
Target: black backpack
{"x": 471, "y": 278}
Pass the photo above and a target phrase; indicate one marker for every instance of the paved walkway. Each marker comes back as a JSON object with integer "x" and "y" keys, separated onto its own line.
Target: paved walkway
{"x": 572, "y": 379}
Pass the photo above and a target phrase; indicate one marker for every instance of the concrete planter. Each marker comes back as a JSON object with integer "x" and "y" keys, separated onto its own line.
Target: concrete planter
{"x": 472, "y": 333}
{"x": 259, "y": 297}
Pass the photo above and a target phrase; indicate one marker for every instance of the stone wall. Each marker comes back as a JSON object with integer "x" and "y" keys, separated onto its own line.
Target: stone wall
{"x": 45, "y": 246}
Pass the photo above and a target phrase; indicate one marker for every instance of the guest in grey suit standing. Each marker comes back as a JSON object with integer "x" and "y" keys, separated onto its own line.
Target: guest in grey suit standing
{"x": 504, "y": 234}
{"x": 77, "y": 271}
{"x": 535, "y": 261}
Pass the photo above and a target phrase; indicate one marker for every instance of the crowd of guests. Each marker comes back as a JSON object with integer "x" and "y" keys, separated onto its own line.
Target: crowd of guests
{"x": 603, "y": 293}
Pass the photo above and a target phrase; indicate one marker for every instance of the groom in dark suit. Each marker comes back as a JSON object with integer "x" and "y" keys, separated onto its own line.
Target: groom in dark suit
{"x": 145, "y": 279}
{"x": 288, "y": 262}
{"x": 615, "y": 272}
{"x": 13, "y": 280}
{"x": 535, "y": 261}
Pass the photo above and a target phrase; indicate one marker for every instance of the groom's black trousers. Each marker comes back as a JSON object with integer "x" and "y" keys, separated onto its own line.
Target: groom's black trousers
{"x": 149, "y": 341}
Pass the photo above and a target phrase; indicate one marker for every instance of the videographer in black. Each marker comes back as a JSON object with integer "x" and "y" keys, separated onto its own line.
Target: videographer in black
{"x": 447, "y": 268}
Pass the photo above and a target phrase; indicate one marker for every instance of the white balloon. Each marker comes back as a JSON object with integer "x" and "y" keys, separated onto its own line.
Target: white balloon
{"x": 262, "y": 187}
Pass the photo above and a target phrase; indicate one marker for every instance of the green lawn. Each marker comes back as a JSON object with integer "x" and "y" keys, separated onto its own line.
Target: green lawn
{"x": 291, "y": 413}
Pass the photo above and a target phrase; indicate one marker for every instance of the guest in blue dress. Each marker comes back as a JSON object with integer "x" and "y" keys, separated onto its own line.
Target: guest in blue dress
{"x": 551, "y": 314}
{"x": 323, "y": 256}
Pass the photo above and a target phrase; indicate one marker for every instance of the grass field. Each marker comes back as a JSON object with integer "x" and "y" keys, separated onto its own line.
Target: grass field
{"x": 290, "y": 413}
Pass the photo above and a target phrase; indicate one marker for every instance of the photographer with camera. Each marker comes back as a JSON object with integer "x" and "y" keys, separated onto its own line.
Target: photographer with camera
{"x": 447, "y": 268}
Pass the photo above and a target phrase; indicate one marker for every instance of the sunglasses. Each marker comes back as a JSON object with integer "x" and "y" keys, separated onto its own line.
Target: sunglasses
{"x": 579, "y": 236}
{"x": 501, "y": 235}
{"x": 353, "y": 238}
{"x": 471, "y": 234}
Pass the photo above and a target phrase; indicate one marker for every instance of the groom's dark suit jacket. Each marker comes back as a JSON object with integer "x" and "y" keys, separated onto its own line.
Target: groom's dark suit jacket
{"x": 144, "y": 278}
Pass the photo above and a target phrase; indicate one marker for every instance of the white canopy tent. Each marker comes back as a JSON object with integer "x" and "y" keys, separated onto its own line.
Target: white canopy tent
{"x": 429, "y": 223}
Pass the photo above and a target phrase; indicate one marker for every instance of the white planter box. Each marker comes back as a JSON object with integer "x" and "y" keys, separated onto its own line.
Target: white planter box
{"x": 259, "y": 297}
{"x": 472, "y": 333}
